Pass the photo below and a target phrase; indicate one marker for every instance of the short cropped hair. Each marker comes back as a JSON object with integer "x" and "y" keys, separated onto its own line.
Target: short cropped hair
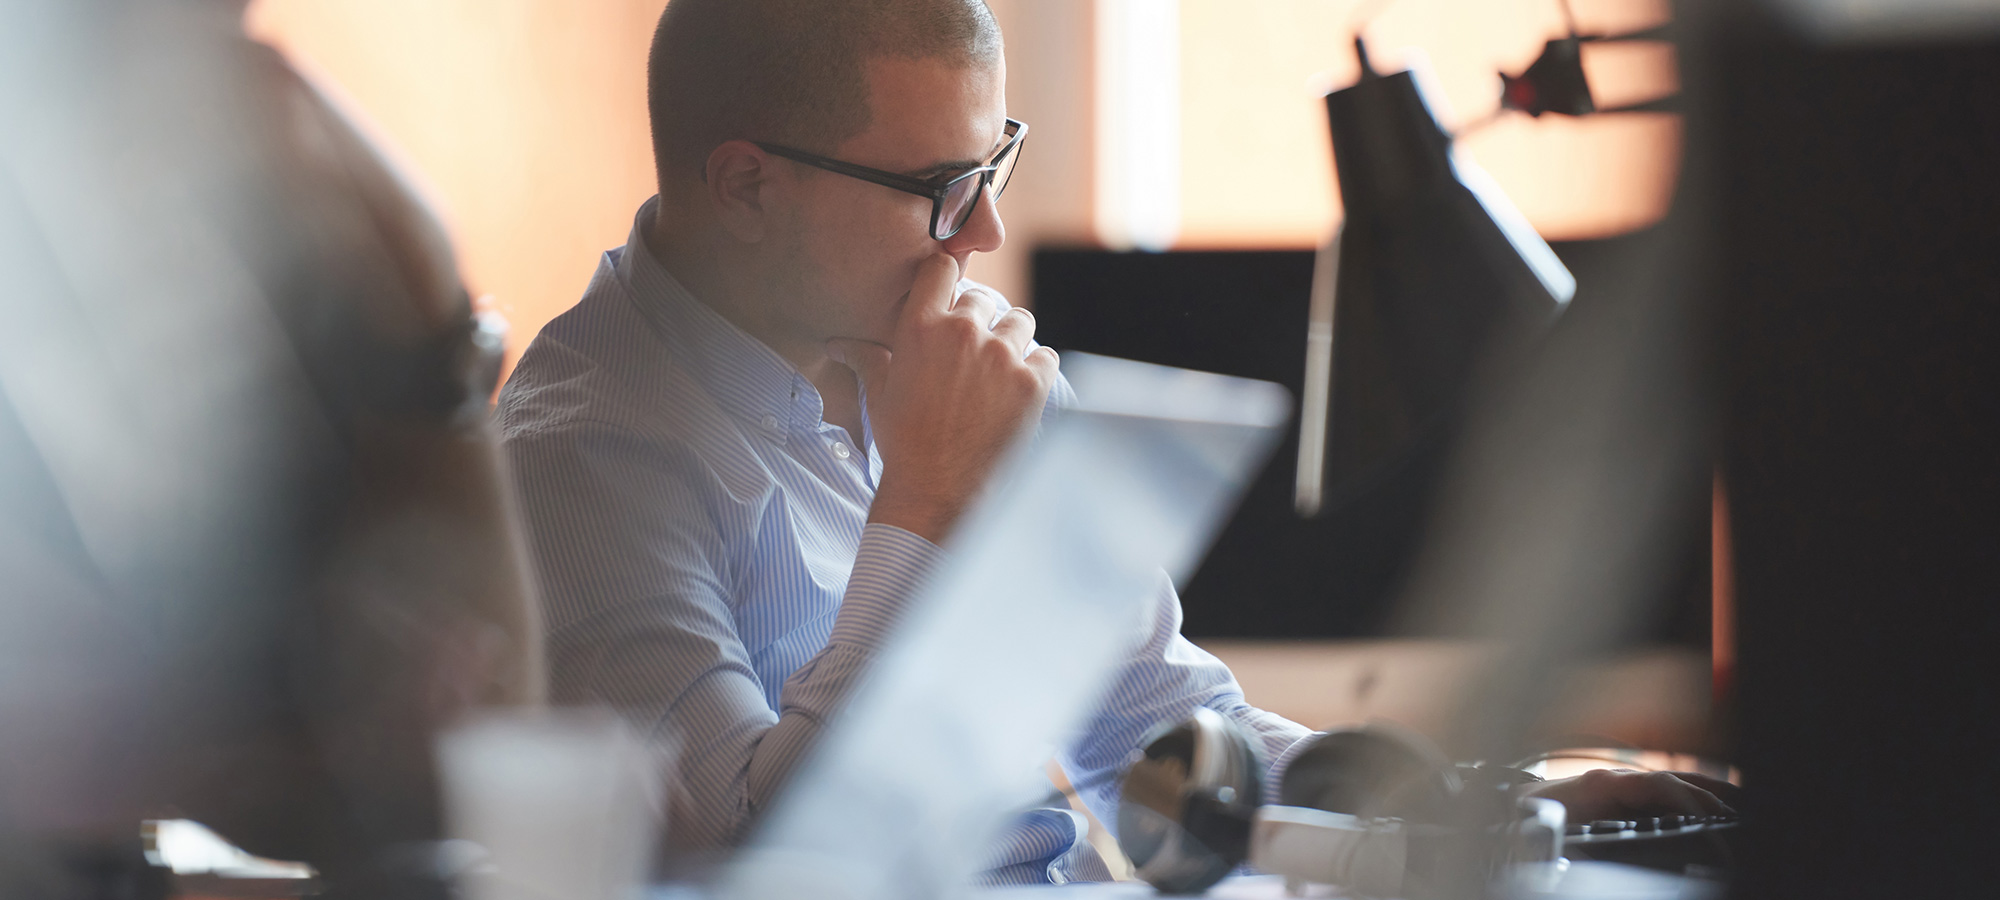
{"x": 790, "y": 71}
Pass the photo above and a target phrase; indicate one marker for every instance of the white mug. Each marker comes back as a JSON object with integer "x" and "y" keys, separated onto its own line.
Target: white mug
{"x": 564, "y": 803}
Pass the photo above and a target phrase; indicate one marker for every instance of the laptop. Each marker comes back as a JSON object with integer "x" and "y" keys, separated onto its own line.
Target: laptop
{"x": 1050, "y": 580}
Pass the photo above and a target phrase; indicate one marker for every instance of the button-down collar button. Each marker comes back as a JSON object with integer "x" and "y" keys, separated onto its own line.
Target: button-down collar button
{"x": 770, "y": 423}
{"x": 840, "y": 450}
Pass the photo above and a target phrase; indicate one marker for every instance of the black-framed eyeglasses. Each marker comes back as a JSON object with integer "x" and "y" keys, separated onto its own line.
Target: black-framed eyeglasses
{"x": 953, "y": 197}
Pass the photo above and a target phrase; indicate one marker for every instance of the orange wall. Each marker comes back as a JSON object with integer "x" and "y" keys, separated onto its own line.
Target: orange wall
{"x": 1256, "y": 160}
{"x": 525, "y": 120}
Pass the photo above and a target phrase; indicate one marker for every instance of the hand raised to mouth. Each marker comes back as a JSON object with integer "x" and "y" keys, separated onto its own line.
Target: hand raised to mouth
{"x": 949, "y": 400}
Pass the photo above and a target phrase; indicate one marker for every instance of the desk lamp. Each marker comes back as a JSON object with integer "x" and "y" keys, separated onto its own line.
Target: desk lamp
{"x": 1432, "y": 276}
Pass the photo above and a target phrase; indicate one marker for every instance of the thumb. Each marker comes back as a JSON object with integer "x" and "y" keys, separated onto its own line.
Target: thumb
{"x": 868, "y": 359}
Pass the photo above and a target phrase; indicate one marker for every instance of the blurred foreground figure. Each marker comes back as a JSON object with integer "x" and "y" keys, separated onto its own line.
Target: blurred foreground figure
{"x": 252, "y": 551}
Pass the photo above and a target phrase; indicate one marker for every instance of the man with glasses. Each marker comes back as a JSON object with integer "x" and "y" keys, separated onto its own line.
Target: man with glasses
{"x": 738, "y": 453}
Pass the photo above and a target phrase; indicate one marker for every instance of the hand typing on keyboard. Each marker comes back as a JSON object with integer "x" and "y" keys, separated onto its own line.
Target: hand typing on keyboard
{"x": 1625, "y": 793}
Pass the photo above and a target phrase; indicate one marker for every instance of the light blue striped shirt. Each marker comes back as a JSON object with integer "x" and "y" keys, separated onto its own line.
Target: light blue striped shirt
{"x": 705, "y": 561}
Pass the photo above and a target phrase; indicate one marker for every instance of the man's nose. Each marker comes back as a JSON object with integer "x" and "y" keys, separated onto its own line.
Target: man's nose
{"x": 983, "y": 233}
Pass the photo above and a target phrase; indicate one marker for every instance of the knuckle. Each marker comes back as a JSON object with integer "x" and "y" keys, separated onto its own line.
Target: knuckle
{"x": 1026, "y": 381}
{"x": 962, "y": 330}
{"x": 993, "y": 354}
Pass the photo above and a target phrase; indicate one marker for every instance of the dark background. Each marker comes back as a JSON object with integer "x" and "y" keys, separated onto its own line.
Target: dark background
{"x": 1852, "y": 206}
{"x": 1272, "y": 574}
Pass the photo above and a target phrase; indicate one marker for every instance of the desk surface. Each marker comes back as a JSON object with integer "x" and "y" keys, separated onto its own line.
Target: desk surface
{"x": 1240, "y": 887}
{"x": 1581, "y": 881}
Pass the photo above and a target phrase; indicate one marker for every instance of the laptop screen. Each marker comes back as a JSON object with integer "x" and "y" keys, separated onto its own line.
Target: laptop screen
{"x": 1048, "y": 583}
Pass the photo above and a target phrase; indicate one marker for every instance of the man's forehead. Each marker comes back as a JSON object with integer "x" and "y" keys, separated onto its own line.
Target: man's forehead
{"x": 929, "y": 113}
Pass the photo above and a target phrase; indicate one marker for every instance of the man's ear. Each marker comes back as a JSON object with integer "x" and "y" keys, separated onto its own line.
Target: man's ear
{"x": 738, "y": 185}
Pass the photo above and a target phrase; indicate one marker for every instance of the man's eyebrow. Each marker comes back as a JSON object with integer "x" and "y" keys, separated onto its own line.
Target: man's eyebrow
{"x": 955, "y": 166}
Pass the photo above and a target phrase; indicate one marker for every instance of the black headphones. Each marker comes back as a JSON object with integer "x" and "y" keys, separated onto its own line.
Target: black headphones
{"x": 1373, "y": 806}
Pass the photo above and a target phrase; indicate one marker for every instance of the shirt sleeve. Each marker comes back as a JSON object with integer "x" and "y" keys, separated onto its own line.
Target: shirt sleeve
{"x": 636, "y": 579}
{"x": 1163, "y": 681}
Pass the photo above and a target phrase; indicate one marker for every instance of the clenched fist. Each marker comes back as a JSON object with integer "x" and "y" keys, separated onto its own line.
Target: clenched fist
{"x": 947, "y": 398}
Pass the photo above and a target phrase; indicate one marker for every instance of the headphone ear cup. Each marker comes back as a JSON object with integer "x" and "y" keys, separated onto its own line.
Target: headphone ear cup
{"x": 1377, "y": 770}
{"x": 1185, "y": 807}
{"x": 1222, "y": 825}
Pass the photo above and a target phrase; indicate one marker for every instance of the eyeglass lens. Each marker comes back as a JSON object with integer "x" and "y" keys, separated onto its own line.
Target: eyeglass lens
{"x": 962, "y": 196}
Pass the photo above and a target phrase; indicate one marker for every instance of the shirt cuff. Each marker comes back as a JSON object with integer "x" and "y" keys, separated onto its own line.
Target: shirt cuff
{"x": 1275, "y": 775}
{"x": 891, "y": 565}
{"x": 1044, "y": 846}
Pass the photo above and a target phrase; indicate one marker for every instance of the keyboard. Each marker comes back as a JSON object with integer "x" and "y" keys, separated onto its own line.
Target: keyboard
{"x": 1628, "y": 829}
{"x": 1667, "y": 843}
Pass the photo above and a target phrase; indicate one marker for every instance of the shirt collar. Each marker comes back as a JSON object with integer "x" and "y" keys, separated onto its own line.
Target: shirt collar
{"x": 746, "y": 377}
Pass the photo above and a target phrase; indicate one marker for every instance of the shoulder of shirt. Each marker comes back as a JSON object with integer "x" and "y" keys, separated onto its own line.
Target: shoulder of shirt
{"x": 599, "y": 371}
{"x": 599, "y": 363}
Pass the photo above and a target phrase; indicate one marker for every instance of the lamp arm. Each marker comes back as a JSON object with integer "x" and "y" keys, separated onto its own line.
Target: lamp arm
{"x": 1316, "y": 402}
